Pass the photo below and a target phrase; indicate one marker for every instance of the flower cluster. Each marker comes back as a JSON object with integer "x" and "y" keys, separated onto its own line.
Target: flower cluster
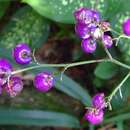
{"x": 95, "y": 115}
{"x": 13, "y": 85}
{"x": 91, "y": 29}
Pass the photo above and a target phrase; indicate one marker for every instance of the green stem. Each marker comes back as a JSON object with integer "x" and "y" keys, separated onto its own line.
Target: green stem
{"x": 60, "y": 65}
{"x": 72, "y": 65}
{"x": 120, "y": 63}
{"x": 118, "y": 87}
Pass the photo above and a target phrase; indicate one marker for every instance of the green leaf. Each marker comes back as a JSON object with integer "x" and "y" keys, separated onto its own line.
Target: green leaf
{"x": 37, "y": 118}
{"x": 26, "y": 26}
{"x": 98, "y": 83}
{"x": 117, "y": 118}
{"x": 106, "y": 70}
{"x": 117, "y": 12}
{"x": 118, "y": 101}
{"x": 120, "y": 125}
{"x": 70, "y": 87}
{"x": 3, "y": 6}
{"x": 57, "y": 10}
{"x": 62, "y": 10}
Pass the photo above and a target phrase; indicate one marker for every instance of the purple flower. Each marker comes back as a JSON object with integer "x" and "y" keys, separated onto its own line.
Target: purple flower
{"x": 107, "y": 40}
{"x": 90, "y": 28}
{"x": 94, "y": 116}
{"x": 5, "y": 70}
{"x": 89, "y": 45}
{"x": 15, "y": 86}
{"x": 22, "y": 54}
{"x": 84, "y": 16}
{"x": 126, "y": 27}
{"x": 105, "y": 26}
{"x": 96, "y": 33}
{"x": 99, "y": 101}
{"x": 44, "y": 81}
{"x": 96, "y": 16}
{"x": 87, "y": 16}
{"x": 82, "y": 30}
{"x": 92, "y": 25}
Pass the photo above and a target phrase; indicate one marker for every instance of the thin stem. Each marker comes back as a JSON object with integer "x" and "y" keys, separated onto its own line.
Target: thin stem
{"x": 119, "y": 37}
{"x": 87, "y": 62}
{"x": 63, "y": 72}
{"x": 115, "y": 31}
{"x": 72, "y": 65}
{"x": 60, "y": 65}
{"x": 34, "y": 58}
{"x": 120, "y": 63}
{"x": 124, "y": 36}
{"x": 106, "y": 50}
{"x": 35, "y": 67}
{"x": 108, "y": 53}
{"x": 118, "y": 87}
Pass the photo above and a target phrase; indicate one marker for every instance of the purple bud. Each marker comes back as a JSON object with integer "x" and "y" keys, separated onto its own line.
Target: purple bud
{"x": 99, "y": 101}
{"x": 96, "y": 33}
{"x": 82, "y": 30}
{"x": 44, "y": 81}
{"x": 5, "y": 70}
{"x": 96, "y": 16}
{"x": 107, "y": 40}
{"x": 89, "y": 45}
{"x": 94, "y": 116}
{"x": 22, "y": 54}
{"x": 105, "y": 26}
{"x": 126, "y": 27}
{"x": 15, "y": 86}
{"x": 5, "y": 64}
{"x": 84, "y": 16}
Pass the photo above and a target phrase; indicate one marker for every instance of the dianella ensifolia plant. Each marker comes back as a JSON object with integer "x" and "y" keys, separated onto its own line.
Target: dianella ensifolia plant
{"x": 92, "y": 29}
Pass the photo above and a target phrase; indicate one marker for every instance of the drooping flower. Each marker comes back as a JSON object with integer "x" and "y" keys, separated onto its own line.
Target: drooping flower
{"x": 15, "y": 86}
{"x": 94, "y": 116}
{"x": 99, "y": 101}
{"x": 22, "y": 54}
{"x": 44, "y": 81}
{"x": 5, "y": 69}
{"x": 89, "y": 45}
{"x": 107, "y": 40}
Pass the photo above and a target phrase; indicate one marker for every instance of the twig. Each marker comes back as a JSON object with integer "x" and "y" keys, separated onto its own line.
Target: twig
{"x": 118, "y": 87}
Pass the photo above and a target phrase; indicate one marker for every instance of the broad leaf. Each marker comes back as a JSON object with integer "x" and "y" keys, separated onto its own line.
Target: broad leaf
{"x": 117, "y": 12}
{"x": 62, "y": 10}
{"x": 70, "y": 87}
{"x": 37, "y": 118}
{"x": 121, "y": 98}
{"x": 120, "y": 125}
{"x": 26, "y": 26}
{"x": 121, "y": 117}
{"x": 106, "y": 70}
{"x": 57, "y": 10}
